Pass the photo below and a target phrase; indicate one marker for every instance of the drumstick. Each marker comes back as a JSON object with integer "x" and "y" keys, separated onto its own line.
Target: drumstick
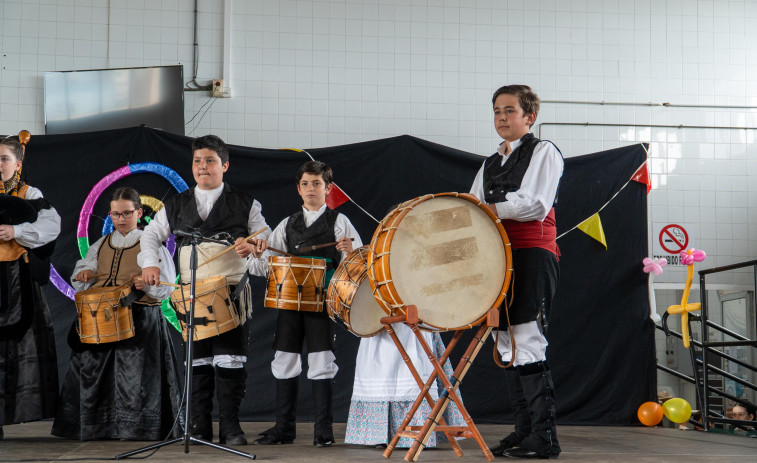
{"x": 164, "y": 283}
{"x": 318, "y": 246}
{"x": 96, "y": 276}
{"x": 234, "y": 246}
{"x": 281, "y": 252}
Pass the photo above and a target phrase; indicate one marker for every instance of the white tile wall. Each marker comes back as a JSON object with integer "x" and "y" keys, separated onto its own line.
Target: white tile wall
{"x": 319, "y": 73}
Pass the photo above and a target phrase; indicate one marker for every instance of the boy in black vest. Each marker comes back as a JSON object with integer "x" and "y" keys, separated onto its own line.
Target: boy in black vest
{"x": 213, "y": 209}
{"x": 314, "y": 224}
{"x": 519, "y": 184}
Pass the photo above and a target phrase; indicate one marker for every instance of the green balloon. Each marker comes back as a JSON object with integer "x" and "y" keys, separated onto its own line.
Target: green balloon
{"x": 677, "y": 410}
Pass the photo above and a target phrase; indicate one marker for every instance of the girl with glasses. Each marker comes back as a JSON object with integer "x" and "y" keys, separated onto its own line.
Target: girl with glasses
{"x": 127, "y": 389}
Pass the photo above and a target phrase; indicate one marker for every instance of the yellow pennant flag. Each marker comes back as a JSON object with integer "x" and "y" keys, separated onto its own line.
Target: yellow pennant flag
{"x": 593, "y": 227}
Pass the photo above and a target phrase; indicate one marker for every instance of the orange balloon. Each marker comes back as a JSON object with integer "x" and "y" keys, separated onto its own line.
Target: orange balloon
{"x": 650, "y": 413}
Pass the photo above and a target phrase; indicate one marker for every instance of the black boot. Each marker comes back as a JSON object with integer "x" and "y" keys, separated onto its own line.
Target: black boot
{"x": 322, "y": 430}
{"x": 520, "y": 413}
{"x": 286, "y": 413}
{"x": 203, "y": 383}
{"x": 231, "y": 386}
{"x": 539, "y": 391}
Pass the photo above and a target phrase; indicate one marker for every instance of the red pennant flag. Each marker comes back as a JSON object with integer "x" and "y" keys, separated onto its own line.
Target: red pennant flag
{"x": 642, "y": 176}
{"x": 336, "y": 197}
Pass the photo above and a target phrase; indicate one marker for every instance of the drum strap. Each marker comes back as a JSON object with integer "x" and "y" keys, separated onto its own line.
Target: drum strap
{"x": 198, "y": 320}
{"x": 242, "y": 296}
{"x": 506, "y": 305}
{"x": 133, "y": 296}
{"x": 240, "y": 286}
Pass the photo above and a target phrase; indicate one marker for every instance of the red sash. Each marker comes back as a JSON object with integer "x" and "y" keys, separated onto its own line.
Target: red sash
{"x": 533, "y": 234}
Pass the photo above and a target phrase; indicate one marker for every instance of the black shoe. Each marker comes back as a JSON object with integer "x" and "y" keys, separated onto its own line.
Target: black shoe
{"x": 521, "y": 417}
{"x": 233, "y": 438}
{"x": 203, "y": 385}
{"x": 323, "y": 441}
{"x": 198, "y": 433}
{"x": 322, "y": 426}
{"x": 285, "y": 429}
{"x": 273, "y": 436}
{"x": 540, "y": 393}
{"x": 230, "y": 384}
{"x": 522, "y": 452}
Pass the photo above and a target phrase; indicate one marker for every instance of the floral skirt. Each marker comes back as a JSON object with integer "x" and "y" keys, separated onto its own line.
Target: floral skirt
{"x": 374, "y": 422}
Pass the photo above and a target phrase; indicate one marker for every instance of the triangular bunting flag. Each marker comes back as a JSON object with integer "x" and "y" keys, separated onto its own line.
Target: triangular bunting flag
{"x": 336, "y": 197}
{"x": 593, "y": 227}
{"x": 642, "y": 176}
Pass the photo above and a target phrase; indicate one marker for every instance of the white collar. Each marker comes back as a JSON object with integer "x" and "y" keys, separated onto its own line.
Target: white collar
{"x": 513, "y": 145}
{"x": 214, "y": 192}
{"x": 308, "y": 211}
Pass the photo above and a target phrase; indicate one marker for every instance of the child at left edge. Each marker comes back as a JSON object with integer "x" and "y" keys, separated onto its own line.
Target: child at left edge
{"x": 314, "y": 224}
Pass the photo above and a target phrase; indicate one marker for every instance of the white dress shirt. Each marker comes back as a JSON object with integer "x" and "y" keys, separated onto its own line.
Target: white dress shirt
{"x": 536, "y": 195}
{"x": 40, "y": 232}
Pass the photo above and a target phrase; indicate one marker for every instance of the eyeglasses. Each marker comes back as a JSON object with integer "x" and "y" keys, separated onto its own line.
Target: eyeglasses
{"x": 124, "y": 214}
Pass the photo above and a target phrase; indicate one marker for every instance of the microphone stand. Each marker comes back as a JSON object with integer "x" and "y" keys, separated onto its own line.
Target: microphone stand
{"x": 195, "y": 239}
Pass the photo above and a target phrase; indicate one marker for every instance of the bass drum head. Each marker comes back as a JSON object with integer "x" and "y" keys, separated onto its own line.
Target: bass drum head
{"x": 449, "y": 259}
{"x": 366, "y": 313}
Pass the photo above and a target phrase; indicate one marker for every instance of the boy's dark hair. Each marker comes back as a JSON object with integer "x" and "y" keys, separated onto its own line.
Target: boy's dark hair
{"x": 213, "y": 143}
{"x": 14, "y": 145}
{"x": 128, "y": 193}
{"x": 316, "y": 168}
{"x": 527, "y": 99}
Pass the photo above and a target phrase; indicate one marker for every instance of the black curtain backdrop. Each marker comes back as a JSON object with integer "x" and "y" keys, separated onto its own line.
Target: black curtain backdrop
{"x": 601, "y": 339}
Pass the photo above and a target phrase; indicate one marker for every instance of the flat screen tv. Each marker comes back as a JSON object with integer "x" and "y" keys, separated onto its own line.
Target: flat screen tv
{"x": 102, "y": 99}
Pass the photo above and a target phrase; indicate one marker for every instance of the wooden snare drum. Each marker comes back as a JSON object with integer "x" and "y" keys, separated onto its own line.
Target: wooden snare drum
{"x": 349, "y": 298}
{"x": 101, "y": 318}
{"x": 447, "y": 254}
{"x": 215, "y": 312}
{"x": 295, "y": 283}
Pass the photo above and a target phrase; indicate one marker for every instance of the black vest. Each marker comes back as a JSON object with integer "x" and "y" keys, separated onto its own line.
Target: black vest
{"x": 229, "y": 215}
{"x": 506, "y": 178}
{"x": 320, "y": 232}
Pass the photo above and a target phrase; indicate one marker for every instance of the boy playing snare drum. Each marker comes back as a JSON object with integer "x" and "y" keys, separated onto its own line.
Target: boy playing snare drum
{"x": 314, "y": 224}
{"x": 213, "y": 209}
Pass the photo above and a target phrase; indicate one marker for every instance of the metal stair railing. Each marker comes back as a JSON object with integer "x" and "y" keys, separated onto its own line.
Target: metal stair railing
{"x": 701, "y": 366}
{"x": 708, "y": 346}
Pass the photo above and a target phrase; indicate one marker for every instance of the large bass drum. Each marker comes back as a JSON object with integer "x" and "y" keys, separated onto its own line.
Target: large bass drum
{"x": 447, "y": 254}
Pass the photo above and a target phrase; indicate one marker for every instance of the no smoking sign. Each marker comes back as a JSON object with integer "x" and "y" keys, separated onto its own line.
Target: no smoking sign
{"x": 673, "y": 238}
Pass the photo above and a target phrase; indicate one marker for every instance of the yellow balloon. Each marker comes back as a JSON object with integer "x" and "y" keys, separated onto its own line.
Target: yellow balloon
{"x": 677, "y": 410}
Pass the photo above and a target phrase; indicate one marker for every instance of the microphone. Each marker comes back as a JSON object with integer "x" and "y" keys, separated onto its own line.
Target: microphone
{"x": 197, "y": 236}
{"x": 187, "y": 234}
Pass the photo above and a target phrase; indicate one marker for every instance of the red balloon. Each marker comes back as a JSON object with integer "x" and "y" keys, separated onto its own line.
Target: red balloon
{"x": 650, "y": 413}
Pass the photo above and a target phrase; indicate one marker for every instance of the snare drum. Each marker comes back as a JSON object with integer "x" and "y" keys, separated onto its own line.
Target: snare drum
{"x": 447, "y": 254}
{"x": 101, "y": 318}
{"x": 349, "y": 298}
{"x": 295, "y": 283}
{"x": 215, "y": 312}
